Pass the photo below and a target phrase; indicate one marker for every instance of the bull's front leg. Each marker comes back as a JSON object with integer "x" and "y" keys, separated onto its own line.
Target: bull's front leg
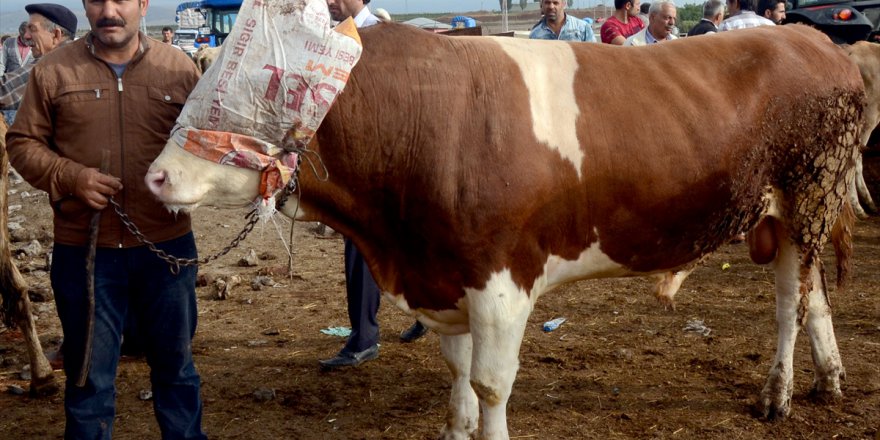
{"x": 464, "y": 411}
{"x": 498, "y": 316}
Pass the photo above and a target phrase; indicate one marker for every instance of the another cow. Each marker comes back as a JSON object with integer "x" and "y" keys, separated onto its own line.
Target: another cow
{"x": 867, "y": 56}
{"x": 16, "y": 307}
{"x": 472, "y": 187}
{"x": 205, "y": 56}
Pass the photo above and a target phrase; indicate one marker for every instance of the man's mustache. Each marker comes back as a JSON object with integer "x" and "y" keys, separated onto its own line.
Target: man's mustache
{"x": 107, "y": 22}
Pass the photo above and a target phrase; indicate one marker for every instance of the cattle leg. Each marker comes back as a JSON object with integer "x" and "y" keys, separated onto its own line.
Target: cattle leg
{"x": 497, "y": 318}
{"x": 826, "y": 357}
{"x": 464, "y": 410}
{"x": 668, "y": 284}
{"x": 43, "y": 382}
{"x": 775, "y": 399}
{"x": 862, "y": 194}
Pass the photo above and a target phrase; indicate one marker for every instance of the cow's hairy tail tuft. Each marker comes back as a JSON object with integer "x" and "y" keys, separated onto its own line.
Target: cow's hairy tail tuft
{"x": 841, "y": 238}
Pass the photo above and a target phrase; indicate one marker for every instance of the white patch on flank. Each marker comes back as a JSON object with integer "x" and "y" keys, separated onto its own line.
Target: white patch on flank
{"x": 548, "y": 70}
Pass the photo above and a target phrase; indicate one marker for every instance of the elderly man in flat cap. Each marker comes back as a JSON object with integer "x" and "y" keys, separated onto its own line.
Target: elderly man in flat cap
{"x": 48, "y": 27}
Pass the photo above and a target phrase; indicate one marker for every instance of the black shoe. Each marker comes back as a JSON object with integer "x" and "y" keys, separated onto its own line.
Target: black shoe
{"x": 349, "y": 359}
{"x": 414, "y": 332}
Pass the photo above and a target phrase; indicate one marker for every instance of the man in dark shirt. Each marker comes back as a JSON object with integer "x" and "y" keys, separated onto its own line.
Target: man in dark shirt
{"x": 713, "y": 14}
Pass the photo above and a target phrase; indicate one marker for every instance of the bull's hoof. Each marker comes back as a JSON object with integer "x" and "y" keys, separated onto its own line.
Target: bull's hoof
{"x": 773, "y": 411}
{"x": 825, "y": 397}
{"x": 47, "y": 386}
{"x": 450, "y": 434}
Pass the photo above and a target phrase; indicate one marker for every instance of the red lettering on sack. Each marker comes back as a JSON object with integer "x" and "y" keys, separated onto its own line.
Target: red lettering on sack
{"x": 326, "y": 70}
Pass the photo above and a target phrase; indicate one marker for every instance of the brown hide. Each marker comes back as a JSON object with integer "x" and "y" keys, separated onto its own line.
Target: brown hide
{"x": 436, "y": 173}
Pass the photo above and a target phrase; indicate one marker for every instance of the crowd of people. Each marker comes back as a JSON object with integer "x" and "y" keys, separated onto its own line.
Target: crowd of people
{"x": 634, "y": 23}
{"x": 64, "y": 90}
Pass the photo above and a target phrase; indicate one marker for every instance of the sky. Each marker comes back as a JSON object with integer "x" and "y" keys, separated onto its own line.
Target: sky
{"x": 162, "y": 11}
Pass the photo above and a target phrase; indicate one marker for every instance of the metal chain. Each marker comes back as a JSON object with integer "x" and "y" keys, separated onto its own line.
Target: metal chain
{"x": 174, "y": 263}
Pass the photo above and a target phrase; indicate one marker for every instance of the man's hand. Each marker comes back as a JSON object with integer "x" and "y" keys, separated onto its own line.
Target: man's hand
{"x": 94, "y": 188}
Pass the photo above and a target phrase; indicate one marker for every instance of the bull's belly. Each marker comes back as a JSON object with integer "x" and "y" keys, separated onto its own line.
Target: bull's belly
{"x": 592, "y": 263}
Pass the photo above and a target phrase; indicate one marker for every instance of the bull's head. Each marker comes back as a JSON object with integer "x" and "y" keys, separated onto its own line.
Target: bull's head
{"x": 182, "y": 181}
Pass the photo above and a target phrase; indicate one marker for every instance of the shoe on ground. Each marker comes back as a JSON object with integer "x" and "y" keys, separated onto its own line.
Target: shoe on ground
{"x": 349, "y": 359}
{"x": 414, "y": 332}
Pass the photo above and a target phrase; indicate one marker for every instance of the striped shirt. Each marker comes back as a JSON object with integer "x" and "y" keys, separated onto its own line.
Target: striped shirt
{"x": 12, "y": 86}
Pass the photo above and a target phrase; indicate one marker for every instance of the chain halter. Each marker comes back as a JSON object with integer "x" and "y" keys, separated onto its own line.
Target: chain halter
{"x": 252, "y": 217}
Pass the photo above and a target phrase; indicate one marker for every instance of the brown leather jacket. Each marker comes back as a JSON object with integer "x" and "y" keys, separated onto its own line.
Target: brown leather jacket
{"x": 75, "y": 107}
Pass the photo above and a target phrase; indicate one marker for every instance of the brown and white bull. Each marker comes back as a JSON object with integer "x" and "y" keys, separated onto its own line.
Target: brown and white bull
{"x": 477, "y": 173}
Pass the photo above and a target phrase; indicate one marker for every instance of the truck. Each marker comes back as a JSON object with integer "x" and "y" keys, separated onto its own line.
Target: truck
{"x": 204, "y": 22}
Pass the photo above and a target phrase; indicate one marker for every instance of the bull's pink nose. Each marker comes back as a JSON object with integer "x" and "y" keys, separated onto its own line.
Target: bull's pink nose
{"x": 155, "y": 180}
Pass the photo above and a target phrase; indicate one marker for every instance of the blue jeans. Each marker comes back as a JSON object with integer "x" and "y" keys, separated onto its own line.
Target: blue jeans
{"x": 131, "y": 280}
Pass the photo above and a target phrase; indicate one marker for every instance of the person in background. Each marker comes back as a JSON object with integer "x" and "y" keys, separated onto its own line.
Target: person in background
{"x": 167, "y": 35}
{"x": 742, "y": 16}
{"x": 362, "y": 292}
{"x": 114, "y": 93}
{"x": 773, "y": 10}
{"x": 661, "y": 25}
{"x": 624, "y": 23}
{"x": 15, "y": 53}
{"x": 557, "y": 25}
{"x": 643, "y": 12}
{"x": 46, "y": 29}
{"x": 713, "y": 14}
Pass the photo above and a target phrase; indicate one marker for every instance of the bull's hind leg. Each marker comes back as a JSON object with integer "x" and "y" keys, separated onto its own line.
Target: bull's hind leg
{"x": 464, "y": 411}
{"x": 826, "y": 357}
{"x": 776, "y": 396}
{"x": 800, "y": 299}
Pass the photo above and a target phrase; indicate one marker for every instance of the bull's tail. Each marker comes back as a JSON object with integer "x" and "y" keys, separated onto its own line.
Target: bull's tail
{"x": 841, "y": 238}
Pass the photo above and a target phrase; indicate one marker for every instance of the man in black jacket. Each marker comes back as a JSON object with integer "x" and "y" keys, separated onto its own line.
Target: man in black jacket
{"x": 713, "y": 13}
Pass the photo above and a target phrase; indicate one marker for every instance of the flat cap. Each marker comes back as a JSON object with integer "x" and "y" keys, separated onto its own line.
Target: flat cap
{"x": 55, "y": 13}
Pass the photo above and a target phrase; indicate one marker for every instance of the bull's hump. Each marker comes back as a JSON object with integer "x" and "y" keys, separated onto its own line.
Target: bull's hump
{"x": 548, "y": 70}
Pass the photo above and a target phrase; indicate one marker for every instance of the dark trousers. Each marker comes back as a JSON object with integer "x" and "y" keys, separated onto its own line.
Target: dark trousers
{"x": 363, "y": 301}
{"x": 131, "y": 280}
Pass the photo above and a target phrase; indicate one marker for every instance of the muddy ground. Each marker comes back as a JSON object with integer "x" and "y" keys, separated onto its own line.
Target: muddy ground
{"x": 621, "y": 366}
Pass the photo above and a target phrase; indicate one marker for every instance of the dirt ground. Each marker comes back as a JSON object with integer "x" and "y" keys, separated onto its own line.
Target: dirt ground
{"x": 620, "y": 367}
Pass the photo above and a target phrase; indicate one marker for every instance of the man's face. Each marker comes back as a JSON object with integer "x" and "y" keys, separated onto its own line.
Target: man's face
{"x": 662, "y": 22}
{"x": 342, "y": 9}
{"x": 634, "y": 8}
{"x": 167, "y": 35}
{"x": 733, "y": 6}
{"x": 553, "y": 10}
{"x": 776, "y": 14}
{"x": 115, "y": 22}
{"x": 41, "y": 40}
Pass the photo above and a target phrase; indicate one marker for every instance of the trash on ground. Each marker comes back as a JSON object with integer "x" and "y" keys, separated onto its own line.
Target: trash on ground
{"x": 697, "y": 326}
{"x": 553, "y": 324}
{"x": 337, "y": 331}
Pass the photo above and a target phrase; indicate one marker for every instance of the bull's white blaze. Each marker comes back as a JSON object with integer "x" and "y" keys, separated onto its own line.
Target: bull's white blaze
{"x": 548, "y": 69}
